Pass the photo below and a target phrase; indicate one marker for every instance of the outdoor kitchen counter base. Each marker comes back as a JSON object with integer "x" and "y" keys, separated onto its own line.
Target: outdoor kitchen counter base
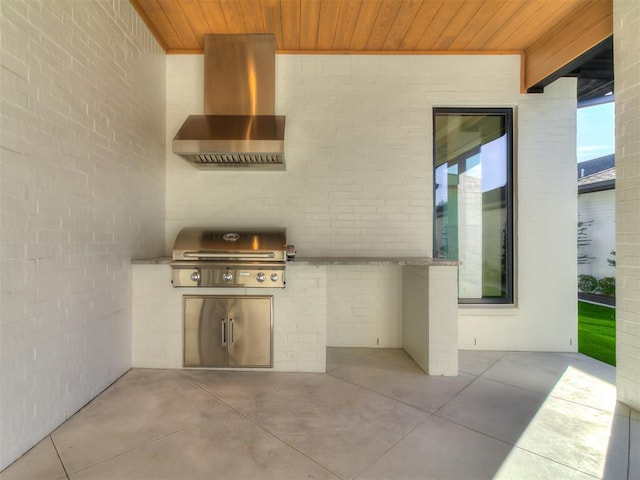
{"x": 429, "y": 313}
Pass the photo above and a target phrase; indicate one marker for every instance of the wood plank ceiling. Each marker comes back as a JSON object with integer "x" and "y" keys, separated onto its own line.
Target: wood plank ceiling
{"x": 548, "y": 33}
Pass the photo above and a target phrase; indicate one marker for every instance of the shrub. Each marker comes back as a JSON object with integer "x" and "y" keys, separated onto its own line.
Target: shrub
{"x": 607, "y": 286}
{"x": 587, "y": 283}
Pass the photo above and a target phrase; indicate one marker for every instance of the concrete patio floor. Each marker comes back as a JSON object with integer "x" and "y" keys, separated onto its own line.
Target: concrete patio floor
{"x": 373, "y": 415}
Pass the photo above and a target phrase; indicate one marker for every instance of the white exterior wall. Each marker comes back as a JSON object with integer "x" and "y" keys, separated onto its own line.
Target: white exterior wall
{"x": 626, "y": 25}
{"x": 545, "y": 315}
{"x": 364, "y": 306}
{"x": 82, "y": 192}
{"x": 359, "y": 176}
{"x": 599, "y": 208}
{"x": 299, "y": 321}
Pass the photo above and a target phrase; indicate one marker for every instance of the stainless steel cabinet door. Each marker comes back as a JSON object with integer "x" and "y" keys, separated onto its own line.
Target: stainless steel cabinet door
{"x": 205, "y": 332}
{"x": 249, "y": 331}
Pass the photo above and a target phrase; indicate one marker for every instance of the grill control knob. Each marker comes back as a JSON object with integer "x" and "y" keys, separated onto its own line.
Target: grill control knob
{"x": 274, "y": 277}
{"x": 261, "y": 277}
{"x": 227, "y": 276}
{"x": 195, "y": 276}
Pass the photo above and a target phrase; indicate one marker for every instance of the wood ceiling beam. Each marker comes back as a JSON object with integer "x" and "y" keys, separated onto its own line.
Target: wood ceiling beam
{"x": 586, "y": 28}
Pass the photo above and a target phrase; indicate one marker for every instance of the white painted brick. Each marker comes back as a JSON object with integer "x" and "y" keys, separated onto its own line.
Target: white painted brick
{"x": 299, "y": 335}
{"x": 626, "y": 22}
{"x": 359, "y": 176}
{"x": 73, "y": 163}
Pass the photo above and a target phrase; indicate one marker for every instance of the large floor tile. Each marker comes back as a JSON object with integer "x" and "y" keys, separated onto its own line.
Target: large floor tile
{"x": 142, "y": 406}
{"x": 226, "y": 446}
{"x": 476, "y": 362}
{"x": 39, "y": 463}
{"x": 523, "y": 465}
{"x": 188, "y": 424}
{"x": 440, "y": 449}
{"x": 581, "y": 387}
{"x": 540, "y": 371}
{"x": 236, "y": 387}
{"x": 338, "y": 357}
{"x": 394, "y": 374}
{"x": 339, "y": 425}
{"x": 574, "y": 435}
{"x": 501, "y": 411}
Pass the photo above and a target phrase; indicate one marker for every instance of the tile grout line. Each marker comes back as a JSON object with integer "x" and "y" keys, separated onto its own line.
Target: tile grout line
{"x": 430, "y": 415}
{"x": 392, "y": 446}
{"x": 135, "y": 447}
{"x": 388, "y": 396}
{"x": 547, "y": 395}
{"x": 468, "y": 384}
{"x": 514, "y": 445}
{"x": 456, "y": 395}
{"x": 59, "y": 457}
{"x": 392, "y": 398}
{"x": 271, "y": 434}
{"x": 556, "y": 462}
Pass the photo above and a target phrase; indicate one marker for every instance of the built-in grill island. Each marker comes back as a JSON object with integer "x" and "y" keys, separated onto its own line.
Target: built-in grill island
{"x": 230, "y": 258}
{"x": 228, "y": 330}
{"x": 217, "y": 318}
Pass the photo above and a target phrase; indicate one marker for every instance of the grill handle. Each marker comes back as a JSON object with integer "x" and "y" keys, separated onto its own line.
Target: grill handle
{"x": 224, "y": 332}
{"x": 228, "y": 255}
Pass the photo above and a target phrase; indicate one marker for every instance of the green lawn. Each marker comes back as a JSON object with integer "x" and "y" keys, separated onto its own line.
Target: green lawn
{"x": 597, "y": 332}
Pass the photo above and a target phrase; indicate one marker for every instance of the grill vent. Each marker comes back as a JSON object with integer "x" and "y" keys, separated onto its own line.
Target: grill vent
{"x": 230, "y": 161}
{"x": 226, "y": 159}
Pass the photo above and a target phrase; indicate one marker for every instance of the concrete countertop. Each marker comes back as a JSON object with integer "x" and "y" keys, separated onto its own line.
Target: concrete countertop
{"x": 414, "y": 261}
{"x": 152, "y": 261}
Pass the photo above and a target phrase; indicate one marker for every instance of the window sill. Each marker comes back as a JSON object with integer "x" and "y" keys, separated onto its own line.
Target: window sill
{"x": 467, "y": 310}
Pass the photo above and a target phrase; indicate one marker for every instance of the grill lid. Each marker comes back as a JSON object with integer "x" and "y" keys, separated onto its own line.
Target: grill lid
{"x": 268, "y": 245}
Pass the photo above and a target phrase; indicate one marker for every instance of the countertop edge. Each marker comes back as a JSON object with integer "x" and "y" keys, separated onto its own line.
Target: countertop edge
{"x": 408, "y": 261}
{"x": 152, "y": 261}
{"x": 401, "y": 261}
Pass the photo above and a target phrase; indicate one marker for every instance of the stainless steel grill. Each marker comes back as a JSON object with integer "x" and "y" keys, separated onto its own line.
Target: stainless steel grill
{"x": 229, "y": 258}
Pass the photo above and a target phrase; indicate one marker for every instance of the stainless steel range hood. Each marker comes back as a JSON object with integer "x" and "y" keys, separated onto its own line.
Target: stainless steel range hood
{"x": 238, "y": 128}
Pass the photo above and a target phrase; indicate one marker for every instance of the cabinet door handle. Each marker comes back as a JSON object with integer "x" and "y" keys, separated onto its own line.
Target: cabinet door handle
{"x": 223, "y": 329}
{"x": 231, "y": 331}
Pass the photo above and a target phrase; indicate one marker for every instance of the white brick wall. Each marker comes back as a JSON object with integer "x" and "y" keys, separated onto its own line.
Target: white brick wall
{"x": 365, "y": 306}
{"x": 545, "y": 317}
{"x": 82, "y": 192}
{"x": 626, "y": 24}
{"x": 359, "y": 176}
{"x": 600, "y": 209}
{"x": 430, "y": 329}
{"x": 299, "y": 323}
{"x": 300, "y": 320}
{"x": 358, "y": 149}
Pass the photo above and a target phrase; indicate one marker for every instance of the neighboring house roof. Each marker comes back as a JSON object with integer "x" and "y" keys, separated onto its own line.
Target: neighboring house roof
{"x": 603, "y": 180}
{"x": 596, "y": 165}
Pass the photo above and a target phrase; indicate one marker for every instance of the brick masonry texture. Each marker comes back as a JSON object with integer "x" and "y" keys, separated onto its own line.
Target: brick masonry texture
{"x": 84, "y": 175}
{"x": 358, "y": 182}
{"x": 82, "y": 193}
{"x": 626, "y": 18}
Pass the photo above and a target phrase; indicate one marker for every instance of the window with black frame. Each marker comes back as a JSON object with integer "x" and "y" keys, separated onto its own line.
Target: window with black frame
{"x": 473, "y": 199}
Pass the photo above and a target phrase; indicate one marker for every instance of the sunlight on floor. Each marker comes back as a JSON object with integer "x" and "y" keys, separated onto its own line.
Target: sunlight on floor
{"x": 567, "y": 431}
